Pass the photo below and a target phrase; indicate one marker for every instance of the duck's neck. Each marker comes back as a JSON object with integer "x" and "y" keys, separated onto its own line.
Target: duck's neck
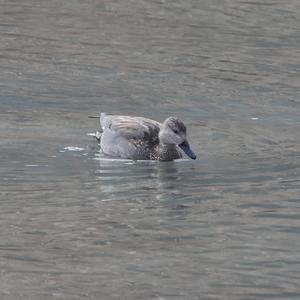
{"x": 167, "y": 152}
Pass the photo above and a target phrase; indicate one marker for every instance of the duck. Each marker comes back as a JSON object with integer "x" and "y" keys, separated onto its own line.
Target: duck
{"x": 139, "y": 138}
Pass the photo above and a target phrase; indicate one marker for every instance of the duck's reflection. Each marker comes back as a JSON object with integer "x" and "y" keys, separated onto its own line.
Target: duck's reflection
{"x": 129, "y": 179}
{"x": 170, "y": 189}
{"x": 141, "y": 180}
{"x": 168, "y": 180}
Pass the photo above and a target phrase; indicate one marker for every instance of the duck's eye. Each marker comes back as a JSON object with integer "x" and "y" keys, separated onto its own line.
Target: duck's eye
{"x": 175, "y": 131}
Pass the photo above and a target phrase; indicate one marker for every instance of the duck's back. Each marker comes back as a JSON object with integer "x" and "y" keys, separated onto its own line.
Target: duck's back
{"x": 129, "y": 137}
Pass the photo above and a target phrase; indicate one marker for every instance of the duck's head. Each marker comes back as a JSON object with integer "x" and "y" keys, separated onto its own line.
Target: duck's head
{"x": 173, "y": 132}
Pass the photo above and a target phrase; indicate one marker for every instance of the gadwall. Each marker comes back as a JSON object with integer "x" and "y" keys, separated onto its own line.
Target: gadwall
{"x": 140, "y": 138}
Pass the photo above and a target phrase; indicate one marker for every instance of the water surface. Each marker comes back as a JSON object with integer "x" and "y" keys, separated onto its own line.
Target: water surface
{"x": 77, "y": 226}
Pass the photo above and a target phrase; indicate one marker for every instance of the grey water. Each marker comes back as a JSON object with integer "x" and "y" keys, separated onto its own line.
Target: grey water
{"x": 75, "y": 225}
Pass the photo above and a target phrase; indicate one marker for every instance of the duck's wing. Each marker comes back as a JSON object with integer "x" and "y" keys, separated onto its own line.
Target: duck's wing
{"x": 135, "y": 129}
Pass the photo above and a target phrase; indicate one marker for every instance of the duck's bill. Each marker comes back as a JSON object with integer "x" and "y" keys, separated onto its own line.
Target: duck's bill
{"x": 187, "y": 150}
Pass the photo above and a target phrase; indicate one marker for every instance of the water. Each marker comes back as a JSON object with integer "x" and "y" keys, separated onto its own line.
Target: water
{"x": 76, "y": 226}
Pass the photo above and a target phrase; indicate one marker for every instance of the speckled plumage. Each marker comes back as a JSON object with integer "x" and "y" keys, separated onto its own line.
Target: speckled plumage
{"x": 140, "y": 138}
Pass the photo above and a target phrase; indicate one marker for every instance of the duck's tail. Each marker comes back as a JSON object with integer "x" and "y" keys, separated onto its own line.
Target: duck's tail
{"x": 101, "y": 117}
{"x": 95, "y": 117}
{"x": 98, "y": 133}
